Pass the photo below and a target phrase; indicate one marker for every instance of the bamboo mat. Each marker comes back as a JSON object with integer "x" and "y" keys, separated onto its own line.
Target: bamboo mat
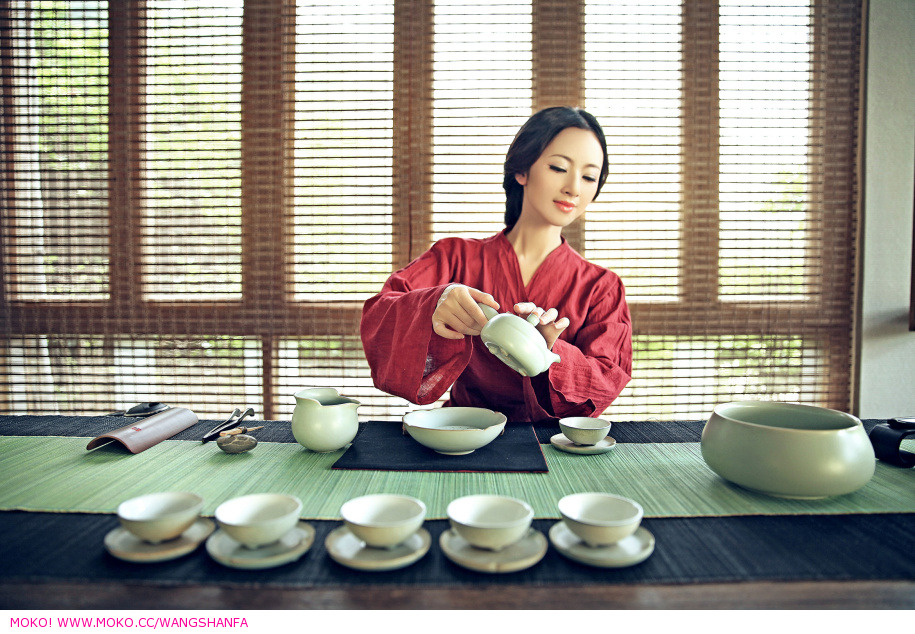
{"x": 57, "y": 474}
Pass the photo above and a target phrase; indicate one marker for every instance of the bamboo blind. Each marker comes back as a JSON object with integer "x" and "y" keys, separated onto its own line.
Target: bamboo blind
{"x": 197, "y": 198}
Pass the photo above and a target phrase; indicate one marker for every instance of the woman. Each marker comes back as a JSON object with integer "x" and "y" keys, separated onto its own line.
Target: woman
{"x": 419, "y": 332}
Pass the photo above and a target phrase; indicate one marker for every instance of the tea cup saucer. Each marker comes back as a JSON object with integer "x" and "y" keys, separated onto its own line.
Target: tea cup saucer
{"x": 126, "y": 546}
{"x": 288, "y": 548}
{"x": 561, "y": 442}
{"x": 627, "y": 552}
{"x": 524, "y": 553}
{"x": 350, "y": 551}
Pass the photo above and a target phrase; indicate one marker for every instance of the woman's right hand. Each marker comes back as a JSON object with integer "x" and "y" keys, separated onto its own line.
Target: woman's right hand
{"x": 457, "y": 313}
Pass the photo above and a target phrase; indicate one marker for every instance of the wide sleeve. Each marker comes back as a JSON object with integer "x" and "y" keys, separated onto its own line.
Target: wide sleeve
{"x": 597, "y": 362}
{"x": 406, "y": 358}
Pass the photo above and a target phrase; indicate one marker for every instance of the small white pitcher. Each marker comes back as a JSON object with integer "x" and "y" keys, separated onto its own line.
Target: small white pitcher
{"x": 324, "y": 421}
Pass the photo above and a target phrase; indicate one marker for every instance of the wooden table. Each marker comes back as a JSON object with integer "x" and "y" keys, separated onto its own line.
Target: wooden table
{"x": 852, "y": 595}
{"x": 66, "y": 590}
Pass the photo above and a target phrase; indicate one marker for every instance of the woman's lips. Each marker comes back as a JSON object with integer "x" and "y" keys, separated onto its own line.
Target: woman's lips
{"x": 564, "y": 206}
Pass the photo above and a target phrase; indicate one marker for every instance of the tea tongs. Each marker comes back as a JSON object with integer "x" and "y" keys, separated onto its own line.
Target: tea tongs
{"x": 232, "y": 421}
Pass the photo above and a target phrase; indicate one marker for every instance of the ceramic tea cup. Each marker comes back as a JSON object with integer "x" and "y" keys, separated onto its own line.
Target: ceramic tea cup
{"x": 600, "y": 519}
{"x": 584, "y": 430}
{"x": 492, "y": 522}
{"x": 159, "y": 517}
{"x": 383, "y": 520}
{"x": 260, "y": 518}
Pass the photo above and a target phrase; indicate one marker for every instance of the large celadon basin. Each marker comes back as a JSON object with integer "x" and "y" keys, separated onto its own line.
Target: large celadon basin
{"x": 454, "y": 430}
{"x": 788, "y": 449}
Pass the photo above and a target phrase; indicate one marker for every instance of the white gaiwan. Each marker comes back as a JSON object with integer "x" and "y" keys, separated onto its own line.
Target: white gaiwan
{"x": 324, "y": 421}
{"x": 454, "y": 431}
{"x": 787, "y": 449}
{"x": 516, "y": 342}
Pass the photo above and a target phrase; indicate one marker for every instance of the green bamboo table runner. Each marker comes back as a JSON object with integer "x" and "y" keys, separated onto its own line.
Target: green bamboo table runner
{"x": 57, "y": 474}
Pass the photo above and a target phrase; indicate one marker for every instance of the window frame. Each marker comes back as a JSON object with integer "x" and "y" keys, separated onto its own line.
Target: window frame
{"x": 267, "y": 311}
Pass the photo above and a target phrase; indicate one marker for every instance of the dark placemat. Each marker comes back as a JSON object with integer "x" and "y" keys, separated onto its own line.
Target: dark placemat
{"x": 69, "y": 547}
{"x": 383, "y": 446}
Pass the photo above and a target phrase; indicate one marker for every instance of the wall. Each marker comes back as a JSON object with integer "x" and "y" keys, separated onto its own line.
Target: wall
{"x": 887, "y": 348}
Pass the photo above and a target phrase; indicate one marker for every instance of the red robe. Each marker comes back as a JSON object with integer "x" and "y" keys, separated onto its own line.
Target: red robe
{"x": 409, "y": 360}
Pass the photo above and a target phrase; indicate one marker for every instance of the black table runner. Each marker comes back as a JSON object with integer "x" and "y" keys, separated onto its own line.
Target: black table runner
{"x": 281, "y": 431}
{"x": 688, "y": 550}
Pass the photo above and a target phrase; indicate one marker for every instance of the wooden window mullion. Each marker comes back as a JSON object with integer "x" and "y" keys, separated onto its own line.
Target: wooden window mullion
{"x": 264, "y": 165}
{"x": 125, "y": 58}
{"x": 263, "y": 149}
{"x": 835, "y": 148}
{"x": 700, "y": 156}
{"x": 558, "y": 69}
{"x": 412, "y": 160}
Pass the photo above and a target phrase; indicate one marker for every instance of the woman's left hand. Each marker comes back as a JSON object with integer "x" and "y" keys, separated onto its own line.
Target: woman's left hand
{"x": 549, "y": 326}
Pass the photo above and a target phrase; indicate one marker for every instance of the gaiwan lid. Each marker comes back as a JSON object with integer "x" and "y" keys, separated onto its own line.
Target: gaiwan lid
{"x": 516, "y": 342}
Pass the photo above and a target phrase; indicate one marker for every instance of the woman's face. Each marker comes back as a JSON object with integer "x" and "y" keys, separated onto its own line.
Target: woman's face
{"x": 562, "y": 182}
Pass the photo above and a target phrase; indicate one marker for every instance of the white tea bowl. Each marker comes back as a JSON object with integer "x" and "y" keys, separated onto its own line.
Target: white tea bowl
{"x": 584, "y": 430}
{"x": 159, "y": 517}
{"x": 600, "y": 519}
{"x": 491, "y": 522}
{"x": 260, "y": 518}
{"x": 788, "y": 449}
{"x": 454, "y": 431}
{"x": 383, "y": 520}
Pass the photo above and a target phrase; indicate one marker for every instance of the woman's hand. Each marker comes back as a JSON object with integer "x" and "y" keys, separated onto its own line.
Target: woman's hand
{"x": 549, "y": 326}
{"x": 457, "y": 313}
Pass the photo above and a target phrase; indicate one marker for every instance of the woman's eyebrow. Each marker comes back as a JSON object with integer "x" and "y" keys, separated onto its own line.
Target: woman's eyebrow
{"x": 563, "y": 156}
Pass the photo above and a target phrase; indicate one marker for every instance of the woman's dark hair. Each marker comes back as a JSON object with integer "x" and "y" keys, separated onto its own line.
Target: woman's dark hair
{"x": 531, "y": 141}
